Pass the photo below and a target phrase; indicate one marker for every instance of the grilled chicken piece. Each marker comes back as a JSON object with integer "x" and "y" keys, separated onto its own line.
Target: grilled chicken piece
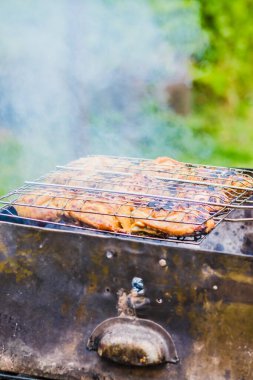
{"x": 74, "y": 178}
{"x": 42, "y": 204}
{"x": 125, "y": 217}
{"x": 95, "y": 213}
{"x": 182, "y": 222}
{"x": 210, "y": 199}
{"x": 92, "y": 164}
{"x": 128, "y": 219}
{"x": 102, "y": 214}
{"x": 169, "y": 167}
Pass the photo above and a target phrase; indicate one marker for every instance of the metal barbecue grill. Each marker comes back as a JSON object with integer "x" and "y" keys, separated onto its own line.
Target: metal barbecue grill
{"x": 81, "y": 303}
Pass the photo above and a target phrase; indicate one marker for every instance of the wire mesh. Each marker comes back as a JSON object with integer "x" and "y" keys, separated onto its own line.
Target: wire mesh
{"x": 161, "y": 198}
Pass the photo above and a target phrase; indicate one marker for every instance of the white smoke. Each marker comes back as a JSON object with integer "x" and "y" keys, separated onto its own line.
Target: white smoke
{"x": 88, "y": 76}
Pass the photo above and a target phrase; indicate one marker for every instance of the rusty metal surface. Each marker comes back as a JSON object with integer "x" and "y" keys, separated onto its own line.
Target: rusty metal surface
{"x": 57, "y": 286}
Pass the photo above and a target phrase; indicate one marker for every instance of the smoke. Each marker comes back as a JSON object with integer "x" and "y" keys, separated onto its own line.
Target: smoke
{"x": 84, "y": 77}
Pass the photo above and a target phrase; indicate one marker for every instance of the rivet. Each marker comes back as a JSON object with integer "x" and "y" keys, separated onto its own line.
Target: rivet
{"x": 109, "y": 255}
{"x": 162, "y": 263}
{"x": 159, "y": 300}
{"x": 215, "y": 287}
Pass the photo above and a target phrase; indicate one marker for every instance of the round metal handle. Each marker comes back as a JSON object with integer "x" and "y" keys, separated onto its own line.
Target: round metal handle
{"x": 133, "y": 341}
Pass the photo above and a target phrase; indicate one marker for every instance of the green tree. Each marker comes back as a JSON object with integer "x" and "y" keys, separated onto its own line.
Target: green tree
{"x": 223, "y": 79}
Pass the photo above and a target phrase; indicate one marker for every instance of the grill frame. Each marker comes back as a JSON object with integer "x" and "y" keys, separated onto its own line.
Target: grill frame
{"x": 13, "y": 376}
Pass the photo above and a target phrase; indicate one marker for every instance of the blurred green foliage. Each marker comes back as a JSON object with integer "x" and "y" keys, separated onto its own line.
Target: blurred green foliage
{"x": 221, "y": 68}
{"x": 224, "y": 72}
{"x": 223, "y": 81}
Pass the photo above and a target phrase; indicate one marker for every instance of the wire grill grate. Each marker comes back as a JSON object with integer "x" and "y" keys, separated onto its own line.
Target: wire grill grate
{"x": 102, "y": 189}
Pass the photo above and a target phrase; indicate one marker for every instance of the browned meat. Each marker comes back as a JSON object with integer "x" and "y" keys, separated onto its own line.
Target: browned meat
{"x": 95, "y": 213}
{"x": 173, "y": 223}
{"x": 41, "y": 205}
{"x": 213, "y": 175}
{"x": 112, "y": 214}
